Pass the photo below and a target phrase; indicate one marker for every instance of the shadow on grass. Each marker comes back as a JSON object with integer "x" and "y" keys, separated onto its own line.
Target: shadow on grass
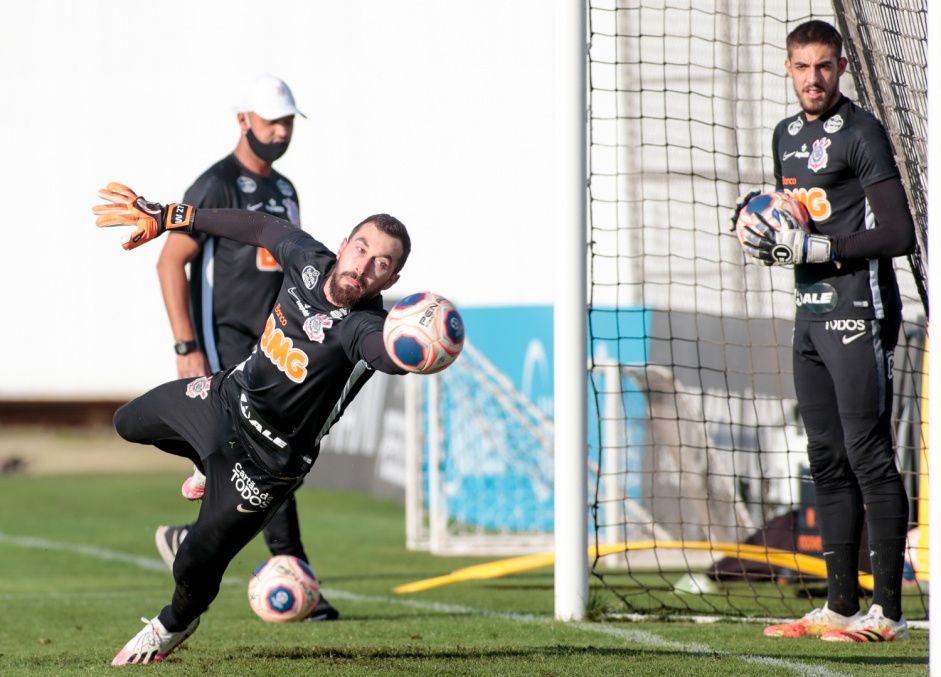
{"x": 427, "y": 653}
{"x": 535, "y": 654}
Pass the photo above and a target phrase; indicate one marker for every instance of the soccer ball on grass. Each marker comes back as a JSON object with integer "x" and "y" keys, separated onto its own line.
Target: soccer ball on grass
{"x": 423, "y": 333}
{"x": 283, "y": 589}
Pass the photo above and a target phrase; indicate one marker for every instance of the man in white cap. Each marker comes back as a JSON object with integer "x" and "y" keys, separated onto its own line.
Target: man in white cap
{"x": 219, "y": 311}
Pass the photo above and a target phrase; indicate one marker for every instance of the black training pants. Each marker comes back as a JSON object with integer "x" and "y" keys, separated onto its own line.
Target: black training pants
{"x": 843, "y": 380}
{"x": 240, "y": 497}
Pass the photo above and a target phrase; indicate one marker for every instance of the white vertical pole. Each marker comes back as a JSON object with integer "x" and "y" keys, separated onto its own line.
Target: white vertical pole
{"x": 415, "y": 538}
{"x": 437, "y": 525}
{"x": 570, "y": 314}
{"x": 934, "y": 364}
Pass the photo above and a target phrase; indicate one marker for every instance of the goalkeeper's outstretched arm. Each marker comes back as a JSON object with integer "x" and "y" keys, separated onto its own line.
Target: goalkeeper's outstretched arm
{"x": 152, "y": 219}
{"x": 242, "y": 225}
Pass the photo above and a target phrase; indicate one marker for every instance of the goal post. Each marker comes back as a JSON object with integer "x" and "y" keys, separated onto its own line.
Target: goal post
{"x": 571, "y": 428}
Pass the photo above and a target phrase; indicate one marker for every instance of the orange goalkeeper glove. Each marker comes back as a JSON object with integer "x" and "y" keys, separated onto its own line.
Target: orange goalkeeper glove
{"x": 151, "y": 218}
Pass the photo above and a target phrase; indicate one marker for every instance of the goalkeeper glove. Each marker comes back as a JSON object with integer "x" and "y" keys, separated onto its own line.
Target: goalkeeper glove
{"x": 739, "y": 206}
{"x": 151, "y": 218}
{"x": 791, "y": 245}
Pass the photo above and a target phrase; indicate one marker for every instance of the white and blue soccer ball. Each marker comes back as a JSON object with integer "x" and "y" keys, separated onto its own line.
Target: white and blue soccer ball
{"x": 777, "y": 210}
{"x": 283, "y": 589}
{"x": 424, "y": 333}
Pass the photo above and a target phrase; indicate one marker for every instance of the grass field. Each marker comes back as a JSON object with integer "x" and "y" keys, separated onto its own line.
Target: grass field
{"x": 80, "y": 568}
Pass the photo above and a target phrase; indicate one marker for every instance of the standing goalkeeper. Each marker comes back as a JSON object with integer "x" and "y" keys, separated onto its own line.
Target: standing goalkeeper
{"x": 837, "y": 159}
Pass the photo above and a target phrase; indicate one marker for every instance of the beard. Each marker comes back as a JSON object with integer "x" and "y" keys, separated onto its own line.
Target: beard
{"x": 345, "y": 297}
{"x": 819, "y": 106}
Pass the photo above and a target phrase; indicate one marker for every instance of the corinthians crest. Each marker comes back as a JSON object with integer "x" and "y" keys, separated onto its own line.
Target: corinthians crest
{"x": 199, "y": 388}
{"x": 818, "y": 156}
{"x": 314, "y": 327}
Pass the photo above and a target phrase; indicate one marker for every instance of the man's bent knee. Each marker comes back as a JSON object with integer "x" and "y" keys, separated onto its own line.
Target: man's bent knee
{"x": 124, "y": 421}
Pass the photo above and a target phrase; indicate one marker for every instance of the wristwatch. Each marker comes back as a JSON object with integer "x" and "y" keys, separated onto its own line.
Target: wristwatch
{"x": 184, "y": 347}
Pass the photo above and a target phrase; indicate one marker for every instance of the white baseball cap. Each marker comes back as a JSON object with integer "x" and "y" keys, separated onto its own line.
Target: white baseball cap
{"x": 270, "y": 98}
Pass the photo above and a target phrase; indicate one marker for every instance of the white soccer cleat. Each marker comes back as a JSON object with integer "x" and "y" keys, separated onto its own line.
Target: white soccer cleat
{"x": 194, "y": 487}
{"x": 873, "y": 627}
{"x": 152, "y": 644}
{"x": 813, "y": 624}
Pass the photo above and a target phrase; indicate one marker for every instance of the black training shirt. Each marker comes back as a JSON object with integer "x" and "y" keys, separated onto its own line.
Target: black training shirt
{"x": 828, "y": 163}
{"x": 312, "y": 358}
{"x": 233, "y": 285}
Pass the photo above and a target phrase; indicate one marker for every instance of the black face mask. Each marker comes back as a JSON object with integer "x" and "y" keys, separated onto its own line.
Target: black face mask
{"x": 269, "y": 152}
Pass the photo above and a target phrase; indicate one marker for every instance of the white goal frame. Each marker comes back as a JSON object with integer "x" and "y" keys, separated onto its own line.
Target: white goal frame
{"x": 571, "y": 310}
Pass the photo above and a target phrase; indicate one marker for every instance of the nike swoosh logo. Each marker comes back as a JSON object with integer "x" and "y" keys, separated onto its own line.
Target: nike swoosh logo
{"x": 241, "y": 509}
{"x": 787, "y": 155}
{"x": 255, "y": 208}
{"x": 850, "y": 339}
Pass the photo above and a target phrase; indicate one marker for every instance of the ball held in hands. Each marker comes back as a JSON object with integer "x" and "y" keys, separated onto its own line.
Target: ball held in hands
{"x": 775, "y": 228}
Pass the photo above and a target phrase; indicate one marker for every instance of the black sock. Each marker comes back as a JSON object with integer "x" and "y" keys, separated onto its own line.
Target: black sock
{"x": 888, "y": 561}
{"x": 842, "y": 578}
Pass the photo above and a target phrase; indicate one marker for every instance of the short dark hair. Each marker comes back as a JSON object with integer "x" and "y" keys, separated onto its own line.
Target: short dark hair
{"x": 390, "y": 226}
{"x": 815, "y": 32}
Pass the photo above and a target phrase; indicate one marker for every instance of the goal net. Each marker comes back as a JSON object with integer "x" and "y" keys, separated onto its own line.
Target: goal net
{"x": 700, "y": 500}
{"x": 701, "y": 472}
{"x": 481, "y": 463}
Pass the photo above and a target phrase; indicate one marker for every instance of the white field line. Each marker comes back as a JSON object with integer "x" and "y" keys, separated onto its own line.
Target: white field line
{"x": 756, "y": 620}
{"x": 650, "y": 639}
{"x": 148, "y": 563}
{"x": 641, "y": 637}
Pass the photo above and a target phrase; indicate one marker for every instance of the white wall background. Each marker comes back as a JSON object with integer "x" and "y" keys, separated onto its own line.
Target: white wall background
{"x": 437, "y": 111}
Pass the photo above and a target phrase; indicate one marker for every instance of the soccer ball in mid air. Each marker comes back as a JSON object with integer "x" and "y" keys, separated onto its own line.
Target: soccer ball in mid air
{"x": 777, "y": 210}
{"x": 283, "y": 589}
{"x": 423, "y": 333}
